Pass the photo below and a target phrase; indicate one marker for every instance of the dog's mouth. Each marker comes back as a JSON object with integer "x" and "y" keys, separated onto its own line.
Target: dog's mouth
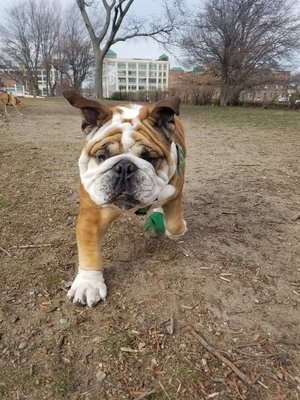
{"x": 125, "y": 201}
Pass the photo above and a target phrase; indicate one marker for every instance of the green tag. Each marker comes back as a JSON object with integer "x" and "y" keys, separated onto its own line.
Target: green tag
{"x": 180, "y": 158}
{"x": 155, "y": 223}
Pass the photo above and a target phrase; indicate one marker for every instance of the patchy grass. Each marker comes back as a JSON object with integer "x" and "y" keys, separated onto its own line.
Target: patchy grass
{"x": 17, "y": 378}
{"x": 4, "y": 200}
{"x": 62, "y": 380}
{"x": 115, "y": 342}
{"x": 243, "y": 117}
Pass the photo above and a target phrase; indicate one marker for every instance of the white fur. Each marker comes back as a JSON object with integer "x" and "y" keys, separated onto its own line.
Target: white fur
{"x": 130, "y": 112}
{"x": 88, "y": 288}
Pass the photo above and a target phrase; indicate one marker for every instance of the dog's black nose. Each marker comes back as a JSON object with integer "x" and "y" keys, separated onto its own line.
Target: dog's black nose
{"x": 125, "y": 168}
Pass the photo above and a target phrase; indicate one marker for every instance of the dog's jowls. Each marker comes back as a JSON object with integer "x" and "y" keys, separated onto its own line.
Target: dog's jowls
{"x": 133, "y": 158}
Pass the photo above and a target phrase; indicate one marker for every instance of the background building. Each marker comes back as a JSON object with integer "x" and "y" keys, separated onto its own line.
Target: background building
{"x": 15, "y": 82}
{"x": 132, "y": 75}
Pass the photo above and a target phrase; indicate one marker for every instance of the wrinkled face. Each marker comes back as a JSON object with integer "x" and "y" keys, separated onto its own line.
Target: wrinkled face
{"x": 127, "y": 162}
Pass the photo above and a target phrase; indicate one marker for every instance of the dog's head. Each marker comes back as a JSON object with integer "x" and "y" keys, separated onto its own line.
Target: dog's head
{"x": 130, "y": 158}
{"x": 19, "y": 103}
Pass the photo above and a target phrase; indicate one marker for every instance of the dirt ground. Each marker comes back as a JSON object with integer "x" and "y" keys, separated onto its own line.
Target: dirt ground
{"x": 233, "y": 280}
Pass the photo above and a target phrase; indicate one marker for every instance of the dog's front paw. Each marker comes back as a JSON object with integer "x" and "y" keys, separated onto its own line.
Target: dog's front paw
{"x": 88, "y": 288}
{"x": 177, "y": 235}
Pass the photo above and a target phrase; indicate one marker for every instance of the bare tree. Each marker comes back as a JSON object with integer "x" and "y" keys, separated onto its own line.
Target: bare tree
{"x": 118, "y": 26}
{"x": 74, "y": 54}
{"x": 29, "y": 34}
{"x": 235, "y": 38}
{"x": 48, "y": 24}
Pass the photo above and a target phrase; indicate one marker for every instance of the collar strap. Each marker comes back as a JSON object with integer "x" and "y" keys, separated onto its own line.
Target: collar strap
{"x": 180, "y": 158}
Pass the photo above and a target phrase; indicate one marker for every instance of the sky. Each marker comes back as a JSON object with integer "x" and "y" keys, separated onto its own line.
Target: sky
{"x": 140, "y": 48}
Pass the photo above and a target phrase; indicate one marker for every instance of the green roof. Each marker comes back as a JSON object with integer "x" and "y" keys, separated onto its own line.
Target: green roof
{"x": 111, "y": 53}
{"x": 176, "y": 69}
{"x": 163, "y": 57}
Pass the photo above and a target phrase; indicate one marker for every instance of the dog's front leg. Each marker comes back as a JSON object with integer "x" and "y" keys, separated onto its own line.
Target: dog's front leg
{"x": 89, "y": 287}
{"x": 174, "y": 222}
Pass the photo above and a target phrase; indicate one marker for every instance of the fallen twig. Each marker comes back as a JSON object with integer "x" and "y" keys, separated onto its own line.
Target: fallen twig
{"x": 31, "y": 246}
{"x": 255, "y": 355}
{"x": 296, "y": 217}
{"x": 146, "y": 394}
{"x": 5, "y": 251}
{"x": 247, "y": 165}
{"x": 243, "y": 377}
{"x": 129, "y": 350}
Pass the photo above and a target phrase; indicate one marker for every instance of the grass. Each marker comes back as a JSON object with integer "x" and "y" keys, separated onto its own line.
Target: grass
{"x": 115, "y": 342}
{"x": 264, "y": 119}
{"x": 18, "y": 379}
{"x": 239, "y": 117}
{"x": 63, "y": 380}
{"x": 4, "y": 201}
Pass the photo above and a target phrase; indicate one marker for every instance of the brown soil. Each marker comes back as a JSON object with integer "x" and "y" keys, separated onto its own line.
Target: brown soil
{"x": 234, "y": 279}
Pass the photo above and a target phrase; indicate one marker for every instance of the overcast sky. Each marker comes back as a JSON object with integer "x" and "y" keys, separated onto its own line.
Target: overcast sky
{"x": 137, "y": 48}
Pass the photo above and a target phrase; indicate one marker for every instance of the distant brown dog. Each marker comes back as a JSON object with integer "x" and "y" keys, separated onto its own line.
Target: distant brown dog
{"x": 10, "y": 100}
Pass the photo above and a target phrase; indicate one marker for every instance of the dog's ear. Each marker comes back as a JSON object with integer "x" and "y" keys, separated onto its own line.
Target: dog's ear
{"x": 94, "y": 113}
{"x": 162, "y": 115}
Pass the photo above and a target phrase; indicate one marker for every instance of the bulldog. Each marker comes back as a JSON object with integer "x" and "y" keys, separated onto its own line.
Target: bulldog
{"x": 133, "y": 160}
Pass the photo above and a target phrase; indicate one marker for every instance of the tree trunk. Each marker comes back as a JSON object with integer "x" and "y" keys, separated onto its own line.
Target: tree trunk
{"x": 99, "y": 57}
{"x": 224, "y": 94}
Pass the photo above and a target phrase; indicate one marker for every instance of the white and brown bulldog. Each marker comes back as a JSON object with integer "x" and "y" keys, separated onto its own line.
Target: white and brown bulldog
{"x": 134, "y": 158}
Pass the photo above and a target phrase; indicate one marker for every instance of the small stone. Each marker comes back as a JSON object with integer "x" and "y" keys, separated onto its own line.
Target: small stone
{"x": 68, "y": 284}
{"x": 101, "y": 376}
{"x": 88, "y": 351}
{"x": 141, "y": 346}
{"x": 182, "y": 347}
{"x": 14, "y": 318}
{"x": 63, "y": 321}
{"x": 23, "y": 344}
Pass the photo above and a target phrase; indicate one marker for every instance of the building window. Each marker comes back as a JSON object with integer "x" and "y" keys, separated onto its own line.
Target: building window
{"x": 131, "y": 80}
{"x": 131, "y": 65}
{"x": 121, "y": 65}
{"x": 142, "y": 66}
{"x": 133, "y": 73}
{"x": 142, "y": 73}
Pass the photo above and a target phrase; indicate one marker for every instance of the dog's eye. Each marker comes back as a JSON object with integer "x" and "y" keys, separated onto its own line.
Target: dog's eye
{"x": 100, "y": 157}
{"x": 151, "y": 159}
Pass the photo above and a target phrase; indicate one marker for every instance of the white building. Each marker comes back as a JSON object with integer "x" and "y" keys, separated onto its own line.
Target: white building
{"x": 132, "y": 75}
